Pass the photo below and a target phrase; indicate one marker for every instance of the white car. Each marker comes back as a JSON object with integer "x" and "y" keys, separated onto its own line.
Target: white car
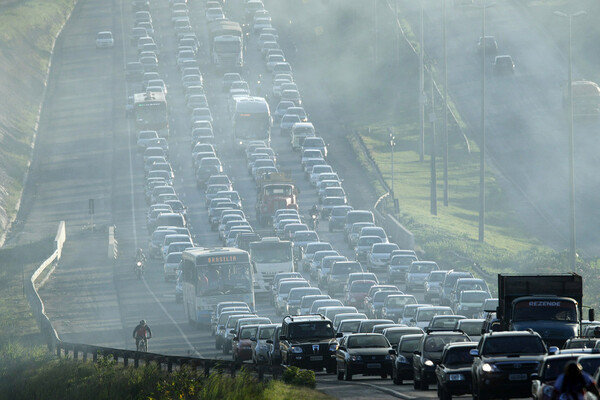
{"x": 104, "y": 39}
{"x": 274, "y": 59}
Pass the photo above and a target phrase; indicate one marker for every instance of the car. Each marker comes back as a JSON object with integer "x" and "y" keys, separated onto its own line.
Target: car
{"x": 393, "y": 305}
{"x": 214, "y": 14}
{"x": 337, "y": 217}
{"x": 470, "y": 302}
{"x": 326, "y": 264}
{"x": 470, "y": 326}
{"x": 503, "y": 65}
{"x": 448, "y": 285}
{"x": 487, "y": 43}
{"x": 463, "y": 284}
{"x": 280, "y": 67}
{"x": 300, "y": 131}
{"x": 418, "y": 272}
{"x": 201, "y": 114}
{"x": 307, "y": 301}
{"x": 367, "y": 325}
{"x": 406, "y": 345}
{"x": 340, "y": 270}
{"x": 429, "y": 353}
{"x": 283, "y": 291}
{"x": 104, "y": 40}
{"x": 241, "y": 345}
{"x": 225, "y": 306}
{"x": 363, "y": 248}
{"x": 316, "y": 262}
{"x": 299, "y": 111}
{"x": 266, "y": 46}
{"x": 220, "y": 330}
{"x": 542, "y": 382}
{"x": 357, "y": 216}
{"x": 310, "y": 250}
{"x": 144, "y": 137}
{"x": 364, "y": 353}
{"x": 355, "y": 296}
{"x": 504, "y": 363}
{"x": 453, "y": 373}
{"x": 295, "y": 296}
{"x": 300, "y": 239}
{"x": 308, "y": 342}
{"x": 348, "y": 325}
{"x": 320, "y": 304}
{"x": 291, "y": 95}
{"x": 374, "y": 301}
{"x": 228, "y": 79}
{"x": 339, "y": 318}
{"x": 259, "y": 345}
{"x": 229, "y": 331}
{"x": 424, "y": 315}
{"x": 433, "y": 284}
{"x": 331, "y": 312}
{"x": 287, "y": 121}
{"x": 380, "y": 255}
{"x": 273, "y": 59}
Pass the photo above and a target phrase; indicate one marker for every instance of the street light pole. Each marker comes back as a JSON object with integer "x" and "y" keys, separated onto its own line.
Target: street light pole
{"x": 421, "y": 91}
{"x": 445, "y": 106}
{"x": 433, "y": 188}
{"x": 482, "y": 144}
{"x": 392, "y": 145}
{"x": 572, "y": 234}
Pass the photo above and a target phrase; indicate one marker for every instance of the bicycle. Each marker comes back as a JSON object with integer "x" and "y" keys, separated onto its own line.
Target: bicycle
{"x": 142, "y": 345}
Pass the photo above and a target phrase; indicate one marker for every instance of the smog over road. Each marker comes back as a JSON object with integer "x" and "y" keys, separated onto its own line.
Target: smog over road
{"x": 280, "y": 154}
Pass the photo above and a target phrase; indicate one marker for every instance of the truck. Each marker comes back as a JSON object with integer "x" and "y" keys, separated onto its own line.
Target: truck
{"x": 274, "y": 191}
{"x": 226, "y": 42}
{"x": 549, "y": 304}
{"x": 268, "y": 257}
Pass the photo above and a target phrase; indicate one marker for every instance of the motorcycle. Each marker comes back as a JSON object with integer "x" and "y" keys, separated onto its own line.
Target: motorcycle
{"x": 139, "y": 269}
{"x": 314, "y": 218}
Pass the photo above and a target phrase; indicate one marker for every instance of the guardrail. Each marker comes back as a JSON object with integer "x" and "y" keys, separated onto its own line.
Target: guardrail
{"x": 86, "y": 352}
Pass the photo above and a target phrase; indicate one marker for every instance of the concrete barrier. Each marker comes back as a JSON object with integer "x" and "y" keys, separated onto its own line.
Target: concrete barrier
{"x": 400, "y": 235}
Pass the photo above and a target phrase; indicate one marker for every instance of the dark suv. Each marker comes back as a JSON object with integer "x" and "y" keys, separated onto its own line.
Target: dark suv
{"x": 308, "y": 341}
{"x": 429, "y": 353}
{"x": 503, "y": 363}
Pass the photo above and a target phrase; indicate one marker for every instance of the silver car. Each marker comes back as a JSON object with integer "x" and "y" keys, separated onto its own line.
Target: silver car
{"x": 260, "y": 347}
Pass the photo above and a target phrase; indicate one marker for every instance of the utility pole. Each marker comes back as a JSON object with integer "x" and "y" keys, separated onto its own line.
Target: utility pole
{"x": 422, "y": 91}
{"x": 572, "y": 233}
{"x": 445, "y": 45}
{"x": 433, "y": 194}
{"x": 392, "y": 145}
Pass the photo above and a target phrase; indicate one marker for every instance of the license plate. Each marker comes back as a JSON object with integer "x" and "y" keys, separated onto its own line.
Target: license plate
{"x": 316, "y": 358}
{"x": 373, "y": 365}
{"x": 517, "y": 377}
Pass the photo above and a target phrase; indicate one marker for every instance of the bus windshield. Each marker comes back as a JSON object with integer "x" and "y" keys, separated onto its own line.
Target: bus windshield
{"x": 224, "y": 279}
{"x": 276, "y": 252}
{"x": 252, "y": 126}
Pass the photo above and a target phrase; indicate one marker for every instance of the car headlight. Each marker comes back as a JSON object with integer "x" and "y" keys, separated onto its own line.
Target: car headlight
{"x": 489, "y": 368}
{"x": 333, "y": 347}
{"x": 355, "y": 358}
{"x": 429, "y": 363}
{"x": 389, "y": 357}
{"x": 296, "y": 349}
{"x": 401, "y": 359}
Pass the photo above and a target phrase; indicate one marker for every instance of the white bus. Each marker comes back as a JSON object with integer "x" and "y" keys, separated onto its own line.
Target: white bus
{"x": 213, "y": 275}
{"x": 251, "y": 120}
{"x": 151, "y": 113}
{"x": 270, "y": 256}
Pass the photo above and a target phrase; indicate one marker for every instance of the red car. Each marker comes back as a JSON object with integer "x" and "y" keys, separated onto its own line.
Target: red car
{"x": 357, "y": 292}
{"x": 242, "y": 345}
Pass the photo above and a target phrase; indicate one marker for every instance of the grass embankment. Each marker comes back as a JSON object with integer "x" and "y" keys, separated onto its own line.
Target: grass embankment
{"x": 27, "y": 32}
{"x": 372, "y": 98}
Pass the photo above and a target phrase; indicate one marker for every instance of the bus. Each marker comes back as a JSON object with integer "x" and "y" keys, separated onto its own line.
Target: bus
{"x": 270, "y": 256}
{"x": 213, "y": 275}
{"x": 150, "y": 110}
{"x": 251, "y": 121}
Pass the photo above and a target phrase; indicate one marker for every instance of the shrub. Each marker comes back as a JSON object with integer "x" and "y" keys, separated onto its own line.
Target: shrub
{"x": 300, "y": 377}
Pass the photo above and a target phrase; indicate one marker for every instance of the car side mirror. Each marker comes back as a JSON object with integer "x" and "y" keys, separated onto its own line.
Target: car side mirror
{"x": 269, "y": 341}
{"x": 282, "y": 337}
{"x": 339, "y": 334}
{"x": 342, "y": 348}
{"x": 553, "y": 350}
{"x": 235, "y": 338}
{"x": 412, "y": 320}
{"x": 392, "y": 352}
{"x": 474, "y": 352}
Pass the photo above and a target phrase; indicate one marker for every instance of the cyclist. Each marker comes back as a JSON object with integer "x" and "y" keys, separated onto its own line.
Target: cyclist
{"x": 142, "y": 331}
{"x": 574, "y": 383}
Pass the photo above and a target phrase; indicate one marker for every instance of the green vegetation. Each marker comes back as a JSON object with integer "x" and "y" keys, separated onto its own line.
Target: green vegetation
{"x": 300, "y": 377}
{"x": 42, "y": 377}
{"x": 371, "y": 98}
{"x": 27, "y": 33}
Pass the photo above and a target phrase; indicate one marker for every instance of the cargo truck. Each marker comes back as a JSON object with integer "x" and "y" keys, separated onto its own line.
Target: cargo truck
{"x": 275, "y": 191}
{"x": 551, "y": 305}
{"x": 226, "y": 42}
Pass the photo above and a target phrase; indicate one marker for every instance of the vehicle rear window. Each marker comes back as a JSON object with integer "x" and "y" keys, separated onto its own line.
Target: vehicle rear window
{"x": 513, "y": 345}
{"x": 367, "y": 341}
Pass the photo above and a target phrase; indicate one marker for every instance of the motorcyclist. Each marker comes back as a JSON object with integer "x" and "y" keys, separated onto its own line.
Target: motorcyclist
{"x": 140, "y": 256}
{"x": 314, "y": 214}
{"x": 574, "y": 383}
{"x": 141, "y": 331}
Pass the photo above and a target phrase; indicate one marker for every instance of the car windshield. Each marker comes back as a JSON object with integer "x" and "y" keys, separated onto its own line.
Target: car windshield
{"x": 266, "y": 333}
{"x": 459, "y": 355}
{"x": 361, "y": 287}
{"x": 409, "y": 345}
{"x": 435, "y": 344}
{"x": 418, "y": 268}
{"x": 474, "y": 297}
{"x": 555, "y": 310}
{"x": 400, "y": 301}
{"x": 311, "y": 330}
{"x": 513, "y": 345}
{"x": 427, "y": 315}
{"x": 471, "y": 328}
{"x": 349, "y": 326}
{"x": 367, "y": 341}
{"x": 248, "y": 332}
{"x": 394, "y": 337}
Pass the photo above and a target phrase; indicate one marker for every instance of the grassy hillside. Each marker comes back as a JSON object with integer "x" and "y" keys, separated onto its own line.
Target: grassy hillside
{"x": 27, "y": 32}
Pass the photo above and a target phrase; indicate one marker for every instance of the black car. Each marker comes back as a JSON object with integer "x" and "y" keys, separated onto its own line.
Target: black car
{"x": 504, "y": 363}
{"x": 364, "y": 353}
{"x": 429, "y": 353}
{"x": 308, "y": 341}
{"x": 402, "y": 368}
{"x": 453, "y": 373}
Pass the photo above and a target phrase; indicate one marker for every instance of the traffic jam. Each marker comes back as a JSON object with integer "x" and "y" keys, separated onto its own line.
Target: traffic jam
{"x": 335, "y": 293}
